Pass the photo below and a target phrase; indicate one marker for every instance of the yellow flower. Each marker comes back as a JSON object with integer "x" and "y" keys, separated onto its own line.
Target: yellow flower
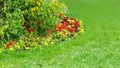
{"x": 72, "y": 20}
{"x": 27, "y": 48}
{"x": 33, "y": 9}
{"x": 46, "y": 43}
{"x": 18, "y": 47}
{"x": 1, "y": 50}
{"x": 12, "y": 49}
{"x": 38, "y": 3}
{"x": 32, "y": 1}
{"x": 82, "y": 31}
{"x": 48, "y": 40}
{"x": 42, "y": 2}
{"x": 69, "y": 20}
{"x": 81, "y": 22}
{"x": 52, "y": 43}
{"x": 41, "y": 8}
{"x": 75, "y": 34}
{"x": 53, "y": 1}
{"x": 48, "y": 11}
{"x": 32, "y": 13}
{"x": 26, "y": 4}
{"x": 38, "y": 13}
{"x": 36, "y": 7}
{"x": 26, "y": 11}
{"x": 69, "y": 26}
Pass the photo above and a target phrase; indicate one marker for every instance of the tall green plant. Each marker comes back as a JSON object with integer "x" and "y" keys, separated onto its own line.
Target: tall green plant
{"x": 21, "y": 17}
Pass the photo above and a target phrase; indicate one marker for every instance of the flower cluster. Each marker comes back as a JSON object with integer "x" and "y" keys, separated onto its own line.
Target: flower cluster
{"x": 68, "y": 27}
{"x": 69, "y": 24}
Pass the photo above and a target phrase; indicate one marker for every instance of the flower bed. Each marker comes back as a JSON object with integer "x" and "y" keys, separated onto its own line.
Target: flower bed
{"x": 34, "y": 23}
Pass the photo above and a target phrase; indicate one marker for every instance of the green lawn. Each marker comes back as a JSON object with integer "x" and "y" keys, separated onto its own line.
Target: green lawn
{"x": 99, "y": 47}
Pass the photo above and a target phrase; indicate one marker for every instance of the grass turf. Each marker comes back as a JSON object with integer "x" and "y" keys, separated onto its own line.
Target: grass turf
{"x": 99, "y": 47}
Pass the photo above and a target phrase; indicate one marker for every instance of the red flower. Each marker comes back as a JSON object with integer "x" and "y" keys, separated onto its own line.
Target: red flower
{"x": 66, "y": 23}
{"x": 0, "y": 37}
{"x": 43, "y": 36}
{"x": 62, "y": 26}
{"x": 25, "y": 26}
{"x": 31, "y": 30}
{"x": 70, "y": 29}
{"x": 76, "y": 24}
{"x": 72, "y": 19}
{"x": 58, "y": 27}
{"x": 66, "y": 19}
{"x": 74, "y": 29}
{"x": 9, "y": 44}
{"x": 61, "y": 15}
{"x": 49, "y": 32}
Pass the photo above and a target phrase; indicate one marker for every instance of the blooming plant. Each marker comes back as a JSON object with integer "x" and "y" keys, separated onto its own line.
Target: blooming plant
{"x": 28, "y": 24}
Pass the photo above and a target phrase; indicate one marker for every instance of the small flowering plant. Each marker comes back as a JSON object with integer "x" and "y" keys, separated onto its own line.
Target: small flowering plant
{"x": 68, "y": 27}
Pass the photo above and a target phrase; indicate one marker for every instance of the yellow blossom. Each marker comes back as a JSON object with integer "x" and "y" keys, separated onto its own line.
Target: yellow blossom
{"x": 33, "y": 9}
{"x": 72, "y": 20}
{"x": 52, "y": 1}
{"x": 48, "y": 11}
{"x": 12, "y": 49}
{"x": 32, "y": 1}
{"x": 26, "y": 11}
{"x": 36, "y": 7}
{"x": 27, "y": 48}
{"x": 52, "y": 43}
{"x": 1, "y": 50}
{"x": 32, "y": 13}
{"x": 38, "y": 13}
{"x": 81, "y": 22}
{"x": 38, "y": 3}
{"x": 48, "y": 40}
{"x": 46, "y": 43}
{"x": 82, "y": 31}
{"x": 75, "y": 34}
{"x": 69, "y": 26}
{"x": 18, "y": 47}
{"x": 41, "y": 8}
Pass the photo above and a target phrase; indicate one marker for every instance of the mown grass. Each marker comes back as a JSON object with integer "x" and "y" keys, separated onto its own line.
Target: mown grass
{"x": 99, "y": 47}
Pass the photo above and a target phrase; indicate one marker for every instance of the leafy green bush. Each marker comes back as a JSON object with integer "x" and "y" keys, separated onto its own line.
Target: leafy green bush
{"x": 27, "y": 24}
{"x": 34, "y": 15}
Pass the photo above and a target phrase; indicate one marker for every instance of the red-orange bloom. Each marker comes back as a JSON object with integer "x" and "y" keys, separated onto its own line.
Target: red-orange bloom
{"x": 9, "y": 44}
{"x": 49, "y": 32}
{"x": 61, "y": 15}
{"x": 31, "y": 30}
{"x": 66, "y": 19}
{"x": 76, "y": 24}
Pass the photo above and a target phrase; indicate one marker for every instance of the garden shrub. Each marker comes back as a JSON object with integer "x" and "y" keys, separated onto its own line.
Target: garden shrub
{"x": 27, "y": 24}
